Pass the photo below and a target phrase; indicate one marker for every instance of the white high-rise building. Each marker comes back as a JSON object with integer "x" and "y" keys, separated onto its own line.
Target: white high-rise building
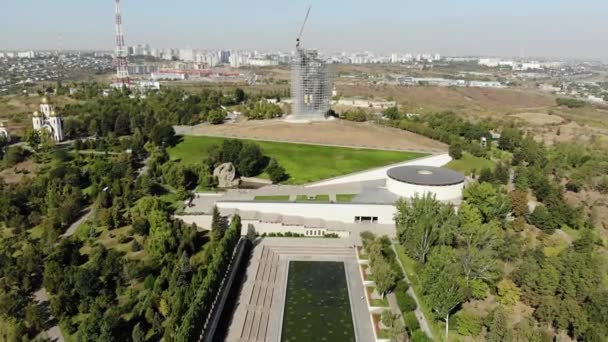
{"x": 186, "y": 55}
{"x": 395, "y": 58}
{"x": 48, "y": 120}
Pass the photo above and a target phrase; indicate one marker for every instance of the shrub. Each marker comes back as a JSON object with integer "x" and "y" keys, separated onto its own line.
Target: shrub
{"x": 411, "y": 322}
{"x": 468, "y": 323}
{"x": 216, "y": 117}
{"x": 570, "y": 103}
{"x": 419, "y": 336}
{"x": 405, "y": 301}
{"x": 479, "y": 289}
{"x": 455, "y": 150}
{"x": 136, "y": 246}
{"x": 357, "y": 115}
{"x": 15, "y": 155}
{"x": 508, "y": 292}
{"x": 275, "y": 171}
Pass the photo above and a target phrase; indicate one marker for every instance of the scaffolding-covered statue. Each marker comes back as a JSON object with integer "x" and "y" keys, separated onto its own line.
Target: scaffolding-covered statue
{"x": 310, "y": 87}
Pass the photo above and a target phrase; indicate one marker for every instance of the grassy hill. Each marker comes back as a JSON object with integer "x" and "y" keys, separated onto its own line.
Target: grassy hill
{"x": 303, "y": 163}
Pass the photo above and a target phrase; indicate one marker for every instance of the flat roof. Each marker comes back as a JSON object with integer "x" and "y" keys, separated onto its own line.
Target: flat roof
{"x": 425, "y": 175}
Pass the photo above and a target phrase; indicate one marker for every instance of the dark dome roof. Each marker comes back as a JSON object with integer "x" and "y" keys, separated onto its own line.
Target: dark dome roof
{"x": 425, "y": 175}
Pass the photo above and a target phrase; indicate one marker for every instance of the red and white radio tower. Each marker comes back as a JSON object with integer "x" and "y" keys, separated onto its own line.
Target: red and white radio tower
{"x": 120, "y": 58}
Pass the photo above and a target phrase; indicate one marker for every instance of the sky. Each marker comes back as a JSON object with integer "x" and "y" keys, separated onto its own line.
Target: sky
{"x": 530, "y": 28}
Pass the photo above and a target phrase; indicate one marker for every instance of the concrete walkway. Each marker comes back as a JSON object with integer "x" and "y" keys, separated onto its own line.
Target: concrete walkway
{"x": 53, "y": 332}
{"x": 424, "y": 325}
{"x": 72, "y": 229}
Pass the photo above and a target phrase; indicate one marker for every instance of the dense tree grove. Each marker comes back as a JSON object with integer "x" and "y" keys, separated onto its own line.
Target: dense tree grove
{"x": 130, "y": 271}
{"x": 480, "y": 250}
{"x": 262, "y": 110}
{"x": 446, "y": 127}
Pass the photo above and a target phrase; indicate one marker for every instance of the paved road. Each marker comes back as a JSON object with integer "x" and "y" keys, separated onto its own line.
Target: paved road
{"x": 424, "y": 325}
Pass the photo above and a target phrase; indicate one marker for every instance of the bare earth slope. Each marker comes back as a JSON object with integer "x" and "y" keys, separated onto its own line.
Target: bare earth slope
{"x": 338, "y": 132}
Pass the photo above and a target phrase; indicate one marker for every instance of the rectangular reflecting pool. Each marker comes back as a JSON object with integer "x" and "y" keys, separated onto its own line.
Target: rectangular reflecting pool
{"x": 317, "y": 305}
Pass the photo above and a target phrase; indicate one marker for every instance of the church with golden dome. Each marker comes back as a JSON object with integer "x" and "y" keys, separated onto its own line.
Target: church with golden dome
{"x": 47, "y": 119}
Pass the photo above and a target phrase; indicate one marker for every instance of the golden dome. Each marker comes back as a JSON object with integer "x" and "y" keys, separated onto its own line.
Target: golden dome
{"x": 45, "y": 100}
{"x": 36, "y": 114}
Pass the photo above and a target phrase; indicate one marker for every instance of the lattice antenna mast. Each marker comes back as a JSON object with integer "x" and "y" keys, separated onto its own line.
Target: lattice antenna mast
{"x": 120, "y": 58}
{"x": 302, "y": 28}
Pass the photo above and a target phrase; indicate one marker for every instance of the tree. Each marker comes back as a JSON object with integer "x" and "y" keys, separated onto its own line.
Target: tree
{"x": 486, "y": 176}
{"x": 542, "y": 218}
{"x": 508, "y": 292}
{"x": 239, "y": 95}
{"x": 251, "y": 160}
{"x": 445, "y": 296}
{"x": 216, "y": 117}
{"x": 491, "y": 202}
{"x": 510, "y": 139}
{"x": 519, "y": 203}
{"x": 498, "y": 329}
{"x": 33, "y": 138}
{"x": 468, "y": 323}
{"x": 251, "y": 234}
{"x": 391, "y": 113}
{"x": 422, "y": 223}
{"x": 163, "y": 135}
{"x": 218, "y": 225}
{"x": 14, "y": 155}
{"x": 161, "y": 238}
{"x": 502, "y": 173}
{"x": 275, "y": 171}
{"x": 384, "y": 276}
{"x": 455, "y": 150}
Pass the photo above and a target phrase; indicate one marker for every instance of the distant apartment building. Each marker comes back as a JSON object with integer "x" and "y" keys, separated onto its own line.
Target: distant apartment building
{"x": 362, "y": 103}
{"x": 169, "y": 75}
{"x": 142, "y": 69}
{"x": 186, "y": 55}
{"x": 262, "y": 62}
{"x": 26, "y": 54}
{"x": 224, "y": 56}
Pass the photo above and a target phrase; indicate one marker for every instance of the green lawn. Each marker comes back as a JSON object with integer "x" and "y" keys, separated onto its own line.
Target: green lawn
{"x": 303, "y": 163}
{"x": 317, "y": 198}
{"x": 469, "y": 162}
{"x": 379, "y": 302}
{"x": 345, "y": 197}
{"x": 271, "y": 198}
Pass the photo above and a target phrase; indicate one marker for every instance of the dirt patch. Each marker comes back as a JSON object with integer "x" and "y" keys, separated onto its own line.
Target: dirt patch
{"x": 471, "y": 102}
{"x": 540, "y": 119}
{"x": 337, "y": 132}
{"x": 18, "y": 172}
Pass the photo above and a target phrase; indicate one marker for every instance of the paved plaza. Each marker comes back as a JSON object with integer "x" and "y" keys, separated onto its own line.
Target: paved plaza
{"x": 259, "y": 311}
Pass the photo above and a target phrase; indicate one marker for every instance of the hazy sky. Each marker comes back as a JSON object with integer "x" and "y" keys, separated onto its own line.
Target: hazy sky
{"x": 554, "y": 28}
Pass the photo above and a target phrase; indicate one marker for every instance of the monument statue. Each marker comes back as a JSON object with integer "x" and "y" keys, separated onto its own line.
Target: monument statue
{"x": 226, "y": 176}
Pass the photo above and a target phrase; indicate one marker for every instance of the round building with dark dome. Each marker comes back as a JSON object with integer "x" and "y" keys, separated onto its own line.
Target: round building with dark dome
{"x": 409, "y": 181}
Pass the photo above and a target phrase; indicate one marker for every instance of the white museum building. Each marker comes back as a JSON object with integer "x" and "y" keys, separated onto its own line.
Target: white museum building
{"x": 370, "y": 203}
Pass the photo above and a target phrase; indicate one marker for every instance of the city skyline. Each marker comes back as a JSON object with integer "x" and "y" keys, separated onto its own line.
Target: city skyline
{"x": 471, "y": 27}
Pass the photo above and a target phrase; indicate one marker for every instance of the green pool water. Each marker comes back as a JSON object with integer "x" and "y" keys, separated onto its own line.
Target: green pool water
{"x": 317, "y": 307}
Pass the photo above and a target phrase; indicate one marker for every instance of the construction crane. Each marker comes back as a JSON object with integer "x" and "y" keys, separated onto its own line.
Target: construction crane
{"x": 302, "y": 28}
